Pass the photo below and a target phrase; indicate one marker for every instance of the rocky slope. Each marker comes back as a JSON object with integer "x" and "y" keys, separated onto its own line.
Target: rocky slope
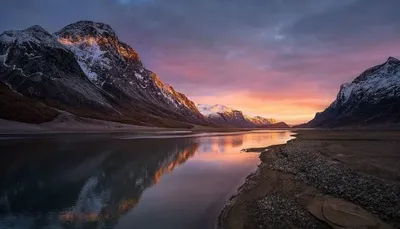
{"x": 222, "y": 115}
{"x": 373, "y": 98}
{"x": 85, "y": 69}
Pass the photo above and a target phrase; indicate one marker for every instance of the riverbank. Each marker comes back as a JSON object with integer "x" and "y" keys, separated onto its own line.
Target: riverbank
{"x": 67, "y": 123}
{"x": 70, "y": 124}
{"x": 322, "y": 179}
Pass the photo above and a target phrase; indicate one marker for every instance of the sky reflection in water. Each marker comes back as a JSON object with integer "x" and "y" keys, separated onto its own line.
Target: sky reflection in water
{"x": 108, "y": 181}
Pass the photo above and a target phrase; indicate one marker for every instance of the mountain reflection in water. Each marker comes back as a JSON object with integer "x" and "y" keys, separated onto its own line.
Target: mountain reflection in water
{"x": 91, "y": 182}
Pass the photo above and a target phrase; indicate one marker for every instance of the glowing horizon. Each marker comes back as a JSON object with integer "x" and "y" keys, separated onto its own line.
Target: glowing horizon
{"x": 282, "y": 60}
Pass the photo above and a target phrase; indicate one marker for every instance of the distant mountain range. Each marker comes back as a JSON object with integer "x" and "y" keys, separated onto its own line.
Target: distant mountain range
{"x": 225, "y": 116}
{"x": 373, "y": 98}
{"x": 86, "y": 70}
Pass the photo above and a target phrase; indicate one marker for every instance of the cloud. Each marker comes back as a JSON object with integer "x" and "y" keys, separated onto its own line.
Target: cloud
{"x": 267, "y": 53}
{"x": 362, "y": 21}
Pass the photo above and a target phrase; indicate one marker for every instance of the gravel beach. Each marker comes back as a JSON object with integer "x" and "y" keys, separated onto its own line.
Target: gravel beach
{"x": 322, "y": 179}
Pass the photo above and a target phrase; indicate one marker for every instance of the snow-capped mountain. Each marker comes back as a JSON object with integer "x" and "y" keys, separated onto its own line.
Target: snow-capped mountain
{"x": 223, "y": 115}
{"x": 371, "y": 98}
{"x": 34, "y": 63}
{"x": 258, "y": 120}
{"x": 85, "y": 67}
{"x": 206, "y": 109}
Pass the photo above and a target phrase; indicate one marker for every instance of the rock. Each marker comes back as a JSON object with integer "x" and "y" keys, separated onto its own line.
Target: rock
{"x": 346, "y": 214}
{"x": 339, "y": 214}
{"x": 315, "y": 208}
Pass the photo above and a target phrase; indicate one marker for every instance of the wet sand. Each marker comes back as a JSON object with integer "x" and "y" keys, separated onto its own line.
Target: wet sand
{"x": 322, "y": 179}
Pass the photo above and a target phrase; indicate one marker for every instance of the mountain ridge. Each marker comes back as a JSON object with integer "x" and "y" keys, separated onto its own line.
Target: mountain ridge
{"x": 223, "y": 115}
{"x": 86, "y": 70}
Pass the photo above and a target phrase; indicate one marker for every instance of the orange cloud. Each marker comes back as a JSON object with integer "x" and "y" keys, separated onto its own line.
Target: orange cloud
{"x": 288, "y": 87}
{"x": 292, "y": 109}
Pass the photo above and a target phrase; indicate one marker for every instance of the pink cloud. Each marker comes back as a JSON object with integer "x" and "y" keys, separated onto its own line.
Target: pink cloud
{"x": 263, "y": 82}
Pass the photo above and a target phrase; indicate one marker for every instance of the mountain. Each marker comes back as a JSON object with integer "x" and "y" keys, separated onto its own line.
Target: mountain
{"x": 373, "y": 98}
{"x": 86, "y": 70}
{"x": 278, "y": 125}
{"x": 222, "y": 115}
{"x": 225, "y": 116}
{"x": 258, "y": 120}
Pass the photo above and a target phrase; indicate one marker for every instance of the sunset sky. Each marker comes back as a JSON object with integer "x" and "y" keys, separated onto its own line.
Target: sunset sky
{"x": 284, "y": 59}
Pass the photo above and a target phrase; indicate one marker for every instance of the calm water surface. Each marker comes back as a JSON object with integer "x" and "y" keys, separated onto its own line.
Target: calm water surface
{"x": 123, "y": 181}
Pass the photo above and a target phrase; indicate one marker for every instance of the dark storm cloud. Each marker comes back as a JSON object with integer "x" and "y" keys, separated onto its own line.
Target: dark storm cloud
{"x": 214, "y": 47}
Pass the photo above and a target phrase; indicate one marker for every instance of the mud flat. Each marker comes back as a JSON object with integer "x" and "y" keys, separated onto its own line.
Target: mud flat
{"x": 322, "y": 179}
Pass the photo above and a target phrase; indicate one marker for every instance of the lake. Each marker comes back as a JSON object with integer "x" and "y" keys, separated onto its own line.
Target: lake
{"x": 165, "y": 180}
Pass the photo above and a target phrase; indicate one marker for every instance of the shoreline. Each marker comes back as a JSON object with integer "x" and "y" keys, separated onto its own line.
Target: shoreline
{"x": 70, "y": 124}
{"x": 313, "y": 181}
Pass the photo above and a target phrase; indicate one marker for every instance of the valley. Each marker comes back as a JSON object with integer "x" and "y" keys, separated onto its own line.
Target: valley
{"x": 179, "y": 114}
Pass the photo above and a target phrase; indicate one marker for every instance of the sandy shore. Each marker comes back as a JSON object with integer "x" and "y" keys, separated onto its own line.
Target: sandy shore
{"x": 322, "y": 179}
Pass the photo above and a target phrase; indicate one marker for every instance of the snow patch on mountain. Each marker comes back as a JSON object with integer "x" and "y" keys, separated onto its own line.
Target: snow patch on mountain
{"x": 221, "y": 113}
{"x": 371, "y": 98}
{"x": 207, "y": 109}
{"x": 139, "y": 76}
{"x": 85, "y": 65}
{"x": 377, "y": 81}
{"x": 32, "y": 45}
{"x": 35, "y": 35}
{"x": 258, "y": 120}
{"x": 88, "y": 54}
{"x": 115, "y": 66}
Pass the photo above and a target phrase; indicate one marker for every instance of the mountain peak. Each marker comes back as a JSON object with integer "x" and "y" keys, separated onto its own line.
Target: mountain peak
{"x": 87, "y": 28}
{"x": 221, "y": 114}
{"x": 85, "y": 65}
{"x": 261, "y": 120}
{"x": 97, "y": 48}
{"x": 392, "y": 60}
{"x": 95, "y": 37}
{"x": 372, "y": 97}
{"x": 208, "y": 109}
{"x": 37, "y": 28}
{"x": 34, "y": 34}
